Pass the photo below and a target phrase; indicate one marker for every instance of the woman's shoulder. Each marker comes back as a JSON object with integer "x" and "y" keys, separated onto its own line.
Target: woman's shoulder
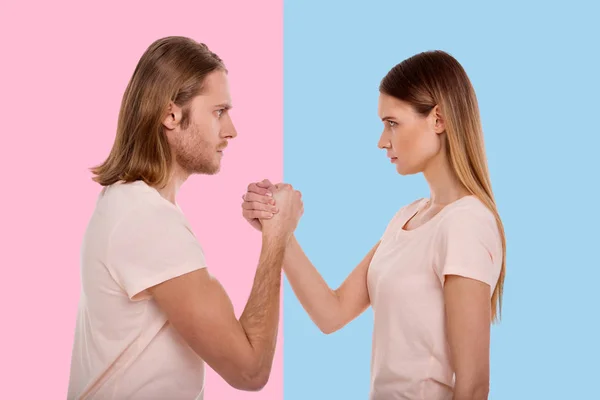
{"x": 470, "y": 219}
{"x": 469, "y": 209}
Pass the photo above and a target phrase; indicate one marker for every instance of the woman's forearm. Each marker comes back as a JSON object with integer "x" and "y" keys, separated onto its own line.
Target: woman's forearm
{"x": 320, "y": 302}
{"x": 474, "y": 391}
{"x": 329, "y": 309}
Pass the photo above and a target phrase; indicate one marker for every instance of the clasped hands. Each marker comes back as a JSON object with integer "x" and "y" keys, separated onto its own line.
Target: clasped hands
{"x": 272, "y": 208}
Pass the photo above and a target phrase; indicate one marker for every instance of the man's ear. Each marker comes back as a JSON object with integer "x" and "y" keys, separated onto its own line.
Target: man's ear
{"x": 172, "y": 116}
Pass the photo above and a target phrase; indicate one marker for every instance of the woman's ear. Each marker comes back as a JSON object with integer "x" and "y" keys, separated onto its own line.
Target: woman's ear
{"x": 439, "y": 125}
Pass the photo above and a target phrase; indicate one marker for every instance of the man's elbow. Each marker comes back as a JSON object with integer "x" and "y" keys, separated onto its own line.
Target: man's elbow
{"x": 255, "y": 384}
{"x": 252, "y": 380}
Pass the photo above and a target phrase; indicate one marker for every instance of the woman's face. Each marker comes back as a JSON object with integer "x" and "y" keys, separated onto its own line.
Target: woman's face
{"x": 411, "y": 140}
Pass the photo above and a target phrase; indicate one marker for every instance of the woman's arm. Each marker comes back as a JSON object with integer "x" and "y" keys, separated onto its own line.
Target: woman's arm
{"x": 329, "y": 309}
{"x": 468, "y": 316}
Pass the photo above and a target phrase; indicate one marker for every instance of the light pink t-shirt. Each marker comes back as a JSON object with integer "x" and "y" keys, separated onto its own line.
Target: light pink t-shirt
{"x": 124, "y": 346}
{"x": 410, "y": 355}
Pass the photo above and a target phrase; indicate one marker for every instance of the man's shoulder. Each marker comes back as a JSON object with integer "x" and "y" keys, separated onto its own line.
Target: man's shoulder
{"x": 137, "y": 204}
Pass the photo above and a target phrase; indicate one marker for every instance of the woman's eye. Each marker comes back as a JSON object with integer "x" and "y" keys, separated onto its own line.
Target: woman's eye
{"x": 392, "y": 123}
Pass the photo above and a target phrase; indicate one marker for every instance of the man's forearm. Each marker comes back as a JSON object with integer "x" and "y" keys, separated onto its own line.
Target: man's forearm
{"x": 260, "y": 319}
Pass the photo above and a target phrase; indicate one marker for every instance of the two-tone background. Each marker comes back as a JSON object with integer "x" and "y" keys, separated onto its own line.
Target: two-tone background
{"x": 304, "y": 78}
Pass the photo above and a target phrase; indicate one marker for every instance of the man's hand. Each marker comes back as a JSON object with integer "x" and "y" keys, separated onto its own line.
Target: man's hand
{"x": 290, "y": 209}
{"x": 259, "y": 203}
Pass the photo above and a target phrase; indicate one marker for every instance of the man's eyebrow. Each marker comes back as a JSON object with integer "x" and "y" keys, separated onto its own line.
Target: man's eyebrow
{"x": 226, "y": 106}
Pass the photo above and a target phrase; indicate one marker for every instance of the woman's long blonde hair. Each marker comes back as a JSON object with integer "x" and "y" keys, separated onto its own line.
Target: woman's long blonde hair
{"x": 436, "y": 78}
{"x": 172, "y": 69}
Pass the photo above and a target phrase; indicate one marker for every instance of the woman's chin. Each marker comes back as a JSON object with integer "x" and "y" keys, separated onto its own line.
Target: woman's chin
{"x": 404, "y": 170}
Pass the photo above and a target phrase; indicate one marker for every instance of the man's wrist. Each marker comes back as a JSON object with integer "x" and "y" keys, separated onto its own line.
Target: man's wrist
{"x": 275, "y": 236}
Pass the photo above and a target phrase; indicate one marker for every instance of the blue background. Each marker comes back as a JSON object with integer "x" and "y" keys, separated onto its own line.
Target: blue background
{"x": 535, "y": 70}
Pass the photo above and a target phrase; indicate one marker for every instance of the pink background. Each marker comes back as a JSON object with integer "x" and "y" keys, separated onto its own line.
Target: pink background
{"x": 64, "y": 69}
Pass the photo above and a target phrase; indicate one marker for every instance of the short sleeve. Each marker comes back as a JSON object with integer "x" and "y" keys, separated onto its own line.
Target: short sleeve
{"x": 151, "y": 246}
{"x": 469, "y": 245}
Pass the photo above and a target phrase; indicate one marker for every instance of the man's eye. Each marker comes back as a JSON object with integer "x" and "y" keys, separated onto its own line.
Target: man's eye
{"x": 220, "y": 112}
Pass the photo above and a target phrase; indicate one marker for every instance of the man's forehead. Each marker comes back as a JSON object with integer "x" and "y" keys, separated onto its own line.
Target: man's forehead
{"x": 216, "y": 81}
{"x": 216, "y": 88}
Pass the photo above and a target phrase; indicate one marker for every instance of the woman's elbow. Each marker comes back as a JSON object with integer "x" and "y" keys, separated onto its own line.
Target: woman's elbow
{"x": 476, "y": 390}
{"x": 328, "y": 325}
{"x": 481, "y": 391}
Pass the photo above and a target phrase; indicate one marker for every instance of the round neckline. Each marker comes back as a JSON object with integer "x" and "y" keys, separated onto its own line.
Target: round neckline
{"x": 433, "y": 219}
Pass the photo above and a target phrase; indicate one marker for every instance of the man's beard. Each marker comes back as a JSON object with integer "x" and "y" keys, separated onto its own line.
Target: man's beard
{"x": 201, "y": 159}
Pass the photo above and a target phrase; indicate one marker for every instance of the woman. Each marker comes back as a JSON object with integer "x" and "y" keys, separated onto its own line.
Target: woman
{"x": 435, "y": 277}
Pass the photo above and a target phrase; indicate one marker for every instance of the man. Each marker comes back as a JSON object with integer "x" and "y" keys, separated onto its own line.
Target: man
{"x": 150, "y": 314}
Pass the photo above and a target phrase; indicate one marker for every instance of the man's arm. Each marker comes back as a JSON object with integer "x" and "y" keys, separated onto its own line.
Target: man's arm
{"x": 241, "y": 352}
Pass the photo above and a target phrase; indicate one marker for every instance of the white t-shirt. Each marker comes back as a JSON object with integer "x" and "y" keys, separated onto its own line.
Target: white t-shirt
{"x": 124, "y": 346}
{"x": 411, "y": 359}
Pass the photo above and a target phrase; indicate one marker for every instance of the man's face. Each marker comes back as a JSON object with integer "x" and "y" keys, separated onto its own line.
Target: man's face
{"x": 198, "y": 149}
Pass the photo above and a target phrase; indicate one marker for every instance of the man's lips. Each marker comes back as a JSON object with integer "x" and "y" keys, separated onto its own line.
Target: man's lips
{"x": 222, "y": 148}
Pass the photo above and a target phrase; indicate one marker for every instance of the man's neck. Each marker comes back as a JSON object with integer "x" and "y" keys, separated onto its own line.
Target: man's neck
{"x": 171, "y": 189}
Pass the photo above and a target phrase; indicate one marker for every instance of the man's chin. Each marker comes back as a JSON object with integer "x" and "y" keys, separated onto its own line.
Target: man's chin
{"x": 208, "y": 170}
{"x": 216, "y": 168}
{"x": 214, "y": 171}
